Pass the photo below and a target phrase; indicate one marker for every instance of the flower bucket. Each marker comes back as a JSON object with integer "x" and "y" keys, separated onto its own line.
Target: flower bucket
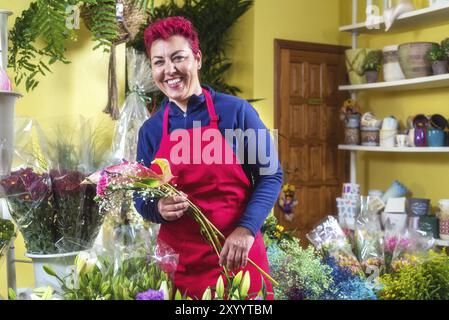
{"x": 60, "y": 263}
{"x": 7, "y": 104}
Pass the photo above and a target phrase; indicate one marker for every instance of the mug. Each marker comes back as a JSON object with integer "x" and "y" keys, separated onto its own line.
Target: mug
{"x": 411, "y": 138}
{"x": 401, "y": 140}
{"x": 443, "y": 204}
{"x": 420, "y": 137}
{"x": 444, "y": 229}
{"x": 387, "y": 137}
{"x": 435, "y": 137}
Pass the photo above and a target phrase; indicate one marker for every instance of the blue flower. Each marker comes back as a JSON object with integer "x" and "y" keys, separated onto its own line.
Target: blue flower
{"x": 150, "y": 295}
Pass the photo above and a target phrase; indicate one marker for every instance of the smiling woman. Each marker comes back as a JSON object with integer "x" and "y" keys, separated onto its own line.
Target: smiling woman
{"x": 236, "y": 196}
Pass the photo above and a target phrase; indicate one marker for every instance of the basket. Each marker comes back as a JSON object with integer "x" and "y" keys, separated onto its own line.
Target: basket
{"x": 128, "y": 28}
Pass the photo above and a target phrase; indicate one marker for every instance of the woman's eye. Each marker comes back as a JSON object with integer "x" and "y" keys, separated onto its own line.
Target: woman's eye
{"x": 158, "y": 62}
{"x": 178, "y": 58}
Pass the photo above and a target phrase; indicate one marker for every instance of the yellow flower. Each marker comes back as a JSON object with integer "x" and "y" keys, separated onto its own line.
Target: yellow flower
{"x": 279, "y": 228}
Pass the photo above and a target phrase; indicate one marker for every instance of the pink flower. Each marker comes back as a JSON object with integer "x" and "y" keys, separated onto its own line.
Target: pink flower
{"x": 102, "y": 184}
{"x": 136, "y": 171}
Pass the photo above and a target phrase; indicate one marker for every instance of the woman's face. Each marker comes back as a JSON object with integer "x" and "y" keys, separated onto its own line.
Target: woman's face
{"x": 175, "y": 68}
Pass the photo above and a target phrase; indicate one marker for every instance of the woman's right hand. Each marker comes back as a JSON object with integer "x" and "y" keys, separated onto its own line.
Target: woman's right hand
{"x": 172, "y": 208}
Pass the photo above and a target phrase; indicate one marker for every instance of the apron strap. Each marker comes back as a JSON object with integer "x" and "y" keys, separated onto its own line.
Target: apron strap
{"x": 210, "y": 109}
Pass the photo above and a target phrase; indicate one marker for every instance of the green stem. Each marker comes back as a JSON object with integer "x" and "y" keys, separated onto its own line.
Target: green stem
{"x": 217, "y": 232}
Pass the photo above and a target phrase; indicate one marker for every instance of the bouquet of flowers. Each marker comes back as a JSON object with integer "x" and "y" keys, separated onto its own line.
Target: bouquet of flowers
{"x": 136, "y": 177}
{"x": 369, "y": 243}
{"x": 329, "y": 238}
{"x": 274, "y": 232}
{"x": 52, "y": 209}
{"x": 410, "y": 246}
{"x": 142, "y": 270}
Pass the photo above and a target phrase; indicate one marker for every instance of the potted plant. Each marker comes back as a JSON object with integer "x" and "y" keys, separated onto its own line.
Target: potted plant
{"x": 372, "y": 66}
{"x": 437, "y": 56}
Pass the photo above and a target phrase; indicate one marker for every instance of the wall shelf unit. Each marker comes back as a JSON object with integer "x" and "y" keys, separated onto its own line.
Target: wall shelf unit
{"x": 431, "y": 82}
{"x": 395, "y": 149}
{"x": 427, "y": 16}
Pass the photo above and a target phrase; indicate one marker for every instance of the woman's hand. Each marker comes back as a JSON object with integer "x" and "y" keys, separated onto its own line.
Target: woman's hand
{"x": 236, "y": 248}
{"x": 172, "y": 208}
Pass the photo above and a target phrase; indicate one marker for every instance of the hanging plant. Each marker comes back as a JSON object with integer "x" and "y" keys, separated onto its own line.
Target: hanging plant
{"x": 40, "y": 35}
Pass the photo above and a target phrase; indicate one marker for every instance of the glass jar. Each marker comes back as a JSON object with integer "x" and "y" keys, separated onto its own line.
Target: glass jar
{"x": 369, "y": 136}
{"x": 352, "y": 136}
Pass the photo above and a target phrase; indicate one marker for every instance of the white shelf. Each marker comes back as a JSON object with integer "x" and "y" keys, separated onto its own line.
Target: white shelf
{"x": 408, "y": 20}
{"x": 438, "y": 81}
{"x": 442, "y": 243}
{"x": 394, "y": 149}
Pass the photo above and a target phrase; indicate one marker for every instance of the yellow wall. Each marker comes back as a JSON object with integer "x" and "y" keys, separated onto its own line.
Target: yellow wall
{"x": 77, "y": 88}
{"x": 424, "y": 174}
{"x": 300, "y": 20}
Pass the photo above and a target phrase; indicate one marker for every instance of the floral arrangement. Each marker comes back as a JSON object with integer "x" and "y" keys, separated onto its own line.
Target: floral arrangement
{"x": 30, "y": 199}
{"x": 329, "y": 238}
{"x": 136, "y": 177}
{"x": 346, "y": 285}
{"x": 273, "y": 232}
{"x": 141, "y": 270}
{"x": 427, "y": 279}
{"x": 349, "y": 108}
{"x": 52, "y": 209}
{"x": 301, "y": 273}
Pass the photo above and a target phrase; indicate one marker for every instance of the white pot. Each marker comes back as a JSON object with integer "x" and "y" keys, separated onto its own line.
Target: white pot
{"x": 60, "y": 263}
{"x": 391, "y": 67}
{"x": 7, "y": 104}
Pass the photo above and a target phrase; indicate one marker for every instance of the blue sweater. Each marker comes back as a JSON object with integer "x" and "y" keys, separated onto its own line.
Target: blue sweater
{"x": 233, "y": 113}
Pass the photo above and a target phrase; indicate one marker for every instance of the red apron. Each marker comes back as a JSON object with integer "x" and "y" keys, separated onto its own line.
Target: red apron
{"x": 221, "y": 190}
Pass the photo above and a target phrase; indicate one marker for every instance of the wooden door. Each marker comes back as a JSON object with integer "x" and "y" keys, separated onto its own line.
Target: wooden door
{"x": 307, "y": 117}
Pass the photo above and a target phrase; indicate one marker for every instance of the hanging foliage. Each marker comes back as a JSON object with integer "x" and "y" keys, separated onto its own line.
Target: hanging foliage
{"x": 213, "y": 20}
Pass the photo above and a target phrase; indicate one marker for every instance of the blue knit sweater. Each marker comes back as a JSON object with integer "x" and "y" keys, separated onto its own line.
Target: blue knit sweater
{"x": 233, "y": 113}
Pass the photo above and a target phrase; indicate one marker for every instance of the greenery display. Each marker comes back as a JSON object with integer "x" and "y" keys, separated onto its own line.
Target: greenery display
{"x": 445, "y": 47}
{"x": 40, "y": 35}
{"x": 426, "y": 280}
{"x": 213, "y": 20}
{"x": 273, "y": 232}
{"x": 110, "y": 279}
{"x": 436, "y": 53}
{"x": 372, "y": 61}
{"x": 301, "y": 273}
{"x": 6, "y": 233}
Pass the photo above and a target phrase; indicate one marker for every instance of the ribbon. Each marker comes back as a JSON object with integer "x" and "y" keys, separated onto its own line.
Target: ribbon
{"x": 138, "y": 89}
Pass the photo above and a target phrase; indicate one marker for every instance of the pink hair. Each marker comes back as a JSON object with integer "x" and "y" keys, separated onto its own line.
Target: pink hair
{"x": 165, "y": 28}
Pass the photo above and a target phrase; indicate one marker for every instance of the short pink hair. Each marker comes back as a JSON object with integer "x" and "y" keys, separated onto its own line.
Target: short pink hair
{"x": 165, "y": 28}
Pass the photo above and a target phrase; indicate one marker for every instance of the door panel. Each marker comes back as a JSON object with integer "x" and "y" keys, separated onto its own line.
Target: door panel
{"x": 308, "y": 102}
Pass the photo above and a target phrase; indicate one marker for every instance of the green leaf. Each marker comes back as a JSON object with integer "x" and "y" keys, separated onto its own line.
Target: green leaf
{"x": 12, "y": 294}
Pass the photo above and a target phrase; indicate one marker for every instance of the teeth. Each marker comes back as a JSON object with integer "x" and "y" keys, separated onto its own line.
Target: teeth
{"x": 173, "y": 81}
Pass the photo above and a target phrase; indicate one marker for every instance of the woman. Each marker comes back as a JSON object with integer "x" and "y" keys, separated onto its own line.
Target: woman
{"x": 189, "y": 131}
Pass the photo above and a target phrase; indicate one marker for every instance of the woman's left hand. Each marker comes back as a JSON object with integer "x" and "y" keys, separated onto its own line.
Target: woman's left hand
{"x": 236, "y": 248}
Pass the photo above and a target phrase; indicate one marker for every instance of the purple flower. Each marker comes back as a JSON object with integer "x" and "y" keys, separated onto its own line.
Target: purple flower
{"x": 150, "y": 295}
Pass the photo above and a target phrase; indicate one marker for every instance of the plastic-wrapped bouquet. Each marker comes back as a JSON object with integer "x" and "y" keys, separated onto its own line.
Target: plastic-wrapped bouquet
{"x": 410, "y": 246}
{"x": 142, "y": 270}
{"x": 329, "y": 238}
{"x": 150, "y": 184}
{"x": 53, "y": 211}
{"x": 369, "y": 241}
